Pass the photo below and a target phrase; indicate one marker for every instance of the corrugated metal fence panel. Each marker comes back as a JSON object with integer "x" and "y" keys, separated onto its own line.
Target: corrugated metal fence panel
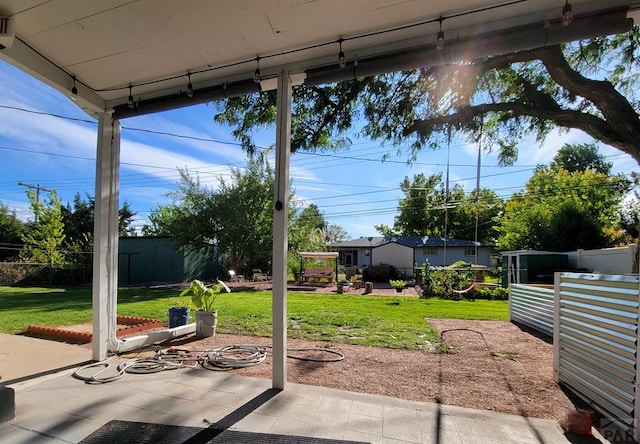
{"x": 532, "y": 306}
{"x": 598, "y": 330}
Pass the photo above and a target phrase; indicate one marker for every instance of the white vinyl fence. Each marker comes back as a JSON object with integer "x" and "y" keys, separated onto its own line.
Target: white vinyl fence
{"x": 532, "y": 306}
{"x": 596, "y": 343}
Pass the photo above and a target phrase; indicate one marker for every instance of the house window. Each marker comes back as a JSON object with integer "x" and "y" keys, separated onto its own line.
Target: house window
{"x": 469, "y": 251}
{"x": 430, "y": 251}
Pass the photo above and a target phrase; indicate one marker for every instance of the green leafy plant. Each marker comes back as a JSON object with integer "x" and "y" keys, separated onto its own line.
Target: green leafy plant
{"x": 203, "y": 297}
{"x": 398, "y": 283}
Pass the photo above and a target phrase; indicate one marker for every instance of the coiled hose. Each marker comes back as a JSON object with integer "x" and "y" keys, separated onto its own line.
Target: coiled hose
{"x": 224, "y": 357}
{"x": 227, "y": 357}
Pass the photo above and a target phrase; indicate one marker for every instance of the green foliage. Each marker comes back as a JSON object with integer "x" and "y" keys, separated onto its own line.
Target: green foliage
{"x": 580, "y": 157}
{"x": 237, "y": 217}
{"x": 563, "y": 211}
{"x": 307, "y": 231}
{"x": 44, "y": 237}
{"x": 422, "y": 211}
{"x": 203, "y": 297}
{"x": 11, "y": 230}
{"x": 78, "y": 223}
{"x": 395, "y": 322}
{"x": 499, "y": 99}
{"x": 397, "y": 283}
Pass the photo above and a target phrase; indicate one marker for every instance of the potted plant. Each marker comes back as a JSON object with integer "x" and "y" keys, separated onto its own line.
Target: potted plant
{"x": 203, "y": 299}
{"x": 178, "y": 314}
{"x": 398, "y": 284}
{"x": 356, "y": 280}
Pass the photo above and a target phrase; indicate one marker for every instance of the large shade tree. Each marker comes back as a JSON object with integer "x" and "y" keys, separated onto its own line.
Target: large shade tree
{"x": 591, "y": 85}
{"x": 562, "y": 210}
{"x": 236, "y": 216}
{"x": 428, "y": 208}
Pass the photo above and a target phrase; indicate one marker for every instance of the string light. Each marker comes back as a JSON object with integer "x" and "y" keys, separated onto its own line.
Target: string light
{"x": 440, "y": 38}
{"x": 342, "y": 61}
{"x": 256, "y": 74}
{"x": 567, "y": 14}
{"x": 189, "y": 86}
{"x": 74, "y": 90}
{"x": 130, "y": 103}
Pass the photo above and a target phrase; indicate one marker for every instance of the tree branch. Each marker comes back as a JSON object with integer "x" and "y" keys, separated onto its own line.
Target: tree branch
{"x": 619, "y": 128}
{"x": 588, "y": 123}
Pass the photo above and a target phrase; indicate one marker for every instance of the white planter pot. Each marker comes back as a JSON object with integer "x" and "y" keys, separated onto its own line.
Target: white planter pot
{"x": 206, "y": 323}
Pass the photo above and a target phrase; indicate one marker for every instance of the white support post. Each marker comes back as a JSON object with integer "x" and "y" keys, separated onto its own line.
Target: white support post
{"x": 280, "y": 231}
{"x": 105, "y": 242}
{"x": 636, "y": 388}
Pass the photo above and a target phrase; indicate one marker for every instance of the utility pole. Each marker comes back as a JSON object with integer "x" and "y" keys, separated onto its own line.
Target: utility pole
{"x": 38, "y": 188}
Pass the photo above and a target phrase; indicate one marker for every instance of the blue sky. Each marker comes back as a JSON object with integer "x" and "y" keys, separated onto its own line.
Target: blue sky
{"x": 353, "y": 188}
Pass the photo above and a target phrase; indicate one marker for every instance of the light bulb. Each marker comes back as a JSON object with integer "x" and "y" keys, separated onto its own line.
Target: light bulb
{"x": 440, "y": 40}
{"x": 342, "y": 61}
{"x": 567, "y": 14}
{"x": 256, "y": 76}
{"x": 74, "y": 90}
{"x": 130, "y": 103}
{"x": 189, "y": 86}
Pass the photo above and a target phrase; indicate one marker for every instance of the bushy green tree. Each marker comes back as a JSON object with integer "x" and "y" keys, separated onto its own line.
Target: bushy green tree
{"x": 236, "y": 217}
{"x": 563, "y": 211}
{"x": 43, "y": 239}
{"x": 580, "y": 157}
{"x": 11, "y": 229}
{"x": 78, "y": 221}
{"x": 425, "y": 211}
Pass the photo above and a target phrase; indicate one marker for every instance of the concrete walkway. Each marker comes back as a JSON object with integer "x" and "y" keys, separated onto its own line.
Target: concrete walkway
{"x": 22, "y": 358}
{"x": 56, "y": 408}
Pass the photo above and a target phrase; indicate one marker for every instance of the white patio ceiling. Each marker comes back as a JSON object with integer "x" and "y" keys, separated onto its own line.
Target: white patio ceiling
{"x": 152, "y": 44}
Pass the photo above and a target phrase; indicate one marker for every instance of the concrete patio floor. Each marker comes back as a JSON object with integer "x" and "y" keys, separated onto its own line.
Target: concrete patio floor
{"x": 53, "y": 407}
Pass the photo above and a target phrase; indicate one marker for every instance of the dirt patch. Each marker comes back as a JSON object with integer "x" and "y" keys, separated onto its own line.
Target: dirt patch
{"x": 492, "y": 365}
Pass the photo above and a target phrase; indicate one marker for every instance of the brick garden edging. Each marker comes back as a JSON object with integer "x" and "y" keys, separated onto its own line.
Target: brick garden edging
{"x": 133, "y": 325}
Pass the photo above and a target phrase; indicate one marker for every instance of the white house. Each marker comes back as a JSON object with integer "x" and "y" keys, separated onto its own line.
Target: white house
{"x": 406, "y": 252}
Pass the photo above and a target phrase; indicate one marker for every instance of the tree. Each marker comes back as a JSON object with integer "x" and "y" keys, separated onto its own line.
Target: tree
{"x": 580, "y": 157}
{"x": 563, "y": 211}
{"x": 11, "y": 229}
{"x": 306, "y": 231}
{"x": 425, "y": 211}
{"x": 503, "y": 98}
{"x": 236, "y": 218}
{"x": 421, "y": 211}
{"x": 476, "y": 212}
{"x": 78, "y": 223}
{"x": 44, "y": 238}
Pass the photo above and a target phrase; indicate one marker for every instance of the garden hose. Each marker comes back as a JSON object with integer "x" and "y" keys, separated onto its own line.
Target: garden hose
{"x": 339, "y": 356}
{"x": 96, "y": 378}
{"x": 227, "y": 357}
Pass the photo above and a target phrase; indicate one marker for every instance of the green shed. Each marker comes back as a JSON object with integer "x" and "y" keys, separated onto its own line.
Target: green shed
{"x": 532, "y": 267}
{"x": 142, "y": 260}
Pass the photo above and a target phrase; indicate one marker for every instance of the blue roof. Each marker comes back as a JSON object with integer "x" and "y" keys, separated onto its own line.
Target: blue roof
{"x": 428, "y": 241}
{"x": 407, "y": 241}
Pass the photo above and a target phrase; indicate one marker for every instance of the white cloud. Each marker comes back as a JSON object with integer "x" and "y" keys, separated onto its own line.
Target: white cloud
{"x": 194, "y": 139}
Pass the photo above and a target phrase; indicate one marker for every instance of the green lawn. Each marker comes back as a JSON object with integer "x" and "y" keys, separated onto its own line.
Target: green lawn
{"x": 393, "y": 321}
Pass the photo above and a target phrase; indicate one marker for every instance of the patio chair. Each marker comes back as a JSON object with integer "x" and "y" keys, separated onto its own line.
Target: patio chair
{"x": 258, "y": 275}
{"x": 232, "y": 276}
